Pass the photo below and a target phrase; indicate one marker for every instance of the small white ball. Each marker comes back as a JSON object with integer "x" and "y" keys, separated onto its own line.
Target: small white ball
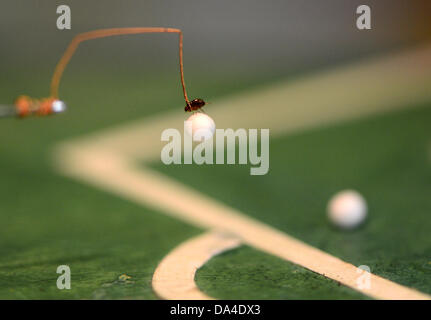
{"x": 58, "y": 106}
{"x": 347, "y": 209}
{"x": 203, "y": 123}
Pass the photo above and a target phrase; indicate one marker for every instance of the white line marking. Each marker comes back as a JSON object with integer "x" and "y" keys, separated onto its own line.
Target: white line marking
{"x": 174, "y": 276}
{"x": 363, "y": 89}
{"x": 109, "y": 159}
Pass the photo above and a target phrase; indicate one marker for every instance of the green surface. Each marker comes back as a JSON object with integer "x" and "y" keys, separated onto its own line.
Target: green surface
{"x": 246, "y": 273}
{"x": 47, "y": 220}
{"x": 386, "y": 158}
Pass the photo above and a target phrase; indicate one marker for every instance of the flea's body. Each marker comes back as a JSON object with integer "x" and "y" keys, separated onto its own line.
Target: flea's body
{"x": 194, "y": 105}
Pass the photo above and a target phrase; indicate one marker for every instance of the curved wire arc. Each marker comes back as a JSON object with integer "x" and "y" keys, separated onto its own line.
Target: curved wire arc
{"x": 103, "y": 33}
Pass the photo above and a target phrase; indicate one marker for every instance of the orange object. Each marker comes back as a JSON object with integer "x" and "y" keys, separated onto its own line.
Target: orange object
{"x": 23, "y": 105}
{"x": 26, "y": 106}
{"x": 45, "y": 107}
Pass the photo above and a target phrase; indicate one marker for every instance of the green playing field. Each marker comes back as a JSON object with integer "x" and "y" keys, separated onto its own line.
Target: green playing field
{"x": 386, "y": 158}
{"x": 47, "y": 220}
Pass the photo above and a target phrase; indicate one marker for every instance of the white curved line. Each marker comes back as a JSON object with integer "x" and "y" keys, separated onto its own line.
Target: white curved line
{"x": 112, "y": 159}
{"x": 174, "y": 277}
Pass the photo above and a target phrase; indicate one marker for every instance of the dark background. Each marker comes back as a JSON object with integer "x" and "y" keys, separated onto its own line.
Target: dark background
{"x": 252, "y": 36}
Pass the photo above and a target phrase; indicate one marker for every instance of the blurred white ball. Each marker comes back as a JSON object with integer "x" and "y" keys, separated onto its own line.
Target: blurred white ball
{"x": 347, "y": 209}
{"x": 203, "y": 123}
{"x": 58, "y": 106}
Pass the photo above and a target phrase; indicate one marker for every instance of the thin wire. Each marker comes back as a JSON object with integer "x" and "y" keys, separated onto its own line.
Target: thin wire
{"x": 7, "y": 111}
{"x": 102, "y": 33}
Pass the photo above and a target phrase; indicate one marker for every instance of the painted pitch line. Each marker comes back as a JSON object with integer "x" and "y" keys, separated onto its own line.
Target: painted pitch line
{"x": 174, "y": 277}
{"x": 363, "y": 89}
{"x": 152, "y": 189}
{"x": 109, "y": 160}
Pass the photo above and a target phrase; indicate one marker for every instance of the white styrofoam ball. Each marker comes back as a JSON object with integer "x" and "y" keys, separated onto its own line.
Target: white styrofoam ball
{"x": 203, "y": 123}
{"x": 58, "y": 106}
{"x": 347, "y": 209}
